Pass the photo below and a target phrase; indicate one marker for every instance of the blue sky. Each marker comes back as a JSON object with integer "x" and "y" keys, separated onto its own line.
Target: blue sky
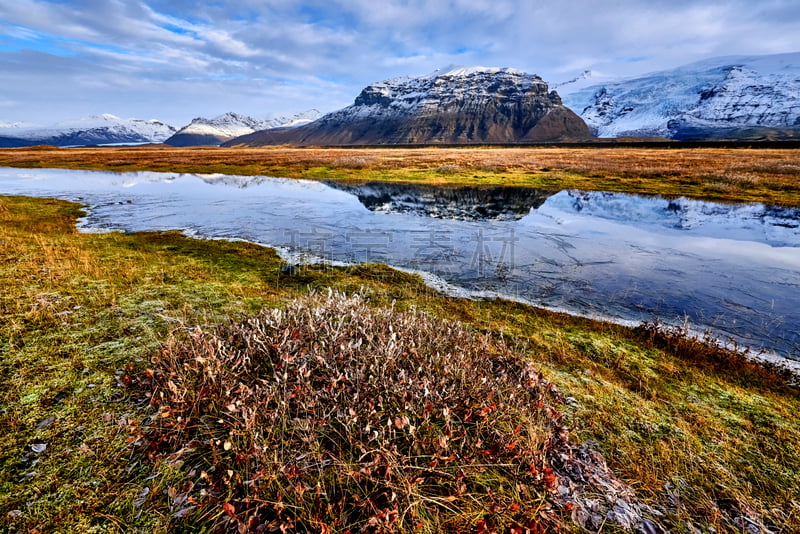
{"x": 175, "y": 60}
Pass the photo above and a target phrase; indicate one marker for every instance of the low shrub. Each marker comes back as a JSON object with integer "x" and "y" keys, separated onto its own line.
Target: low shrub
{"x": 448, "y": 168}
{"x": 353, "y": 162}
{"x": 332, "y": 415}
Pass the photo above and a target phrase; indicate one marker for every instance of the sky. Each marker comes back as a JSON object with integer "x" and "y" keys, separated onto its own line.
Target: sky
{"x": 174, "y": 60}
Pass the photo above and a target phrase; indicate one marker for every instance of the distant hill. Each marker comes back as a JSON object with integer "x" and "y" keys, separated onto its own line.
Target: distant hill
{"x": 93, "y": 130}
{"x": 453, "y": 105}
{"x": 202, "y": 131}
{"x": 754, "y": 97}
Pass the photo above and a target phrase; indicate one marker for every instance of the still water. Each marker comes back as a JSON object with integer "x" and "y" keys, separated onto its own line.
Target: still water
{"x": 734, "y": 269}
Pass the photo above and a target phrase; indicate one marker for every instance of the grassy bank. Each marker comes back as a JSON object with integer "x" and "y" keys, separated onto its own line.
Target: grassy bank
{"x": 92, "y": 323}
{"x": 731, "y": 175}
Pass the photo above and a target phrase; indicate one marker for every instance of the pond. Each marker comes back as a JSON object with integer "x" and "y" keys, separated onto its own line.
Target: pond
{"x": 730, "y": 268}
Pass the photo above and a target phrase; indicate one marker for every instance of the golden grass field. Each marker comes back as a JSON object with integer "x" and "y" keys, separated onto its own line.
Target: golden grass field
{"x": 765, "y": 175}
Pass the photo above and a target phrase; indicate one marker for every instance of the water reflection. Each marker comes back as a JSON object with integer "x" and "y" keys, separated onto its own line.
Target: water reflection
{"x": 732, "y": 268}
{"x": 463, "y": 203}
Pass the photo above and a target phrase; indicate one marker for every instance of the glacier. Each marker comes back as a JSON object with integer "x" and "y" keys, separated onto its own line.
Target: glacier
{"x": 706, "y": 99}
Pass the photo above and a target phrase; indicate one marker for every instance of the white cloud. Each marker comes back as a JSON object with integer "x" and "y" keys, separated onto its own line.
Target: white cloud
{"x": 183, "y": 57}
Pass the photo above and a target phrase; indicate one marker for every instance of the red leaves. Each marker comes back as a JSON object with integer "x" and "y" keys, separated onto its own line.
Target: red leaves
{"x": 483, "y": 528}
{"x": 549, "y": 478}
{"x": 384, "y": 517}
{"x": 315, "y": 394}
{"x": 494, "y": 450}
{"x": 291, "y": 471}
{"x": 229, "y": 509}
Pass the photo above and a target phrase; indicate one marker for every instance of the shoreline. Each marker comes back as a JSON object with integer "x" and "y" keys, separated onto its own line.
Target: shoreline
{"x": 445, "y": 288}
{"x": 716, "y": 174}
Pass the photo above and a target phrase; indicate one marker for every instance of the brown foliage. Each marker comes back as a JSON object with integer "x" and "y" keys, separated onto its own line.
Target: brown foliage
{"x": 752, "y": 175}
{"x": 335, "y": 415}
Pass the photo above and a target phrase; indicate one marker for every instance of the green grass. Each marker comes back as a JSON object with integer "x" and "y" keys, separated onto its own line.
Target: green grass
{"x": 702, "y": 435}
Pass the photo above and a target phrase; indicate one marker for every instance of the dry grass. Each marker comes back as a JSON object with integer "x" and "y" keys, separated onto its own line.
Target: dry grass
{"x": 705, "y": 437}
{"x": 333, "y": 415}
{"x": 768, "y": 175}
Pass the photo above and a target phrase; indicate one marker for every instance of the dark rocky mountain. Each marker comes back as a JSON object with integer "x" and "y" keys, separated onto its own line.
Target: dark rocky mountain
{"x": 451, "y": 106}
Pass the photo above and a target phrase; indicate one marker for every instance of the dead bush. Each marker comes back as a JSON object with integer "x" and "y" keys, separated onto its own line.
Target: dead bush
{"x": 334, "y": 415}
{"x": 353, "y": 162}
{"x": 448, "y": 169}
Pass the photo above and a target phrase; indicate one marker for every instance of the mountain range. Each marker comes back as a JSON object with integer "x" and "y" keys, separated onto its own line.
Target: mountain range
{"x": 742, "y": 97}
{"x": 202, "y": 131}
{"x": 111, "y": 130}
{"x": 94, "y": 130}
{"x": 750, "y": 97}
{"x": 452, "y": 105}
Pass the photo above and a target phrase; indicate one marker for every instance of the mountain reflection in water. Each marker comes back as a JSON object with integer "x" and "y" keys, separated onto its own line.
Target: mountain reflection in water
{"x": 462, "y": 203}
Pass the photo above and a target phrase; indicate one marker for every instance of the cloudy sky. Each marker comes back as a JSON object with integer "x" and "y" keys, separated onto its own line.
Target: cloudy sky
{"x": 178, "y": 59}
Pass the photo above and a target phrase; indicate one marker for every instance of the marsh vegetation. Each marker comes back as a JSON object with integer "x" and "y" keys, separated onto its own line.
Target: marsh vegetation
{"x": 97, "y": 326}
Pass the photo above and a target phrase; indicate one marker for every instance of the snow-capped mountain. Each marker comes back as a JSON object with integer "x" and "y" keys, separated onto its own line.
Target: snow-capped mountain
{"x": 94, "y": 130}
{"x": 717, "y": 98}
{"x": 452, "y": 105}
{"x": 202, "y": 131}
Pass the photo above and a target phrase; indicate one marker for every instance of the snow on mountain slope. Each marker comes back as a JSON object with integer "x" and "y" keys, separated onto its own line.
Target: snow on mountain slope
{"x": 452, "y": 105}
{"x": 202, "y": 131}
{"x": 587, "y": 78}
{"x": 429, "y": 93}
{"x": 92, "y": 130}
{"x": 227, "y": 125}
{"x": 296, "y": 119}
{"x": 703, "y": 99}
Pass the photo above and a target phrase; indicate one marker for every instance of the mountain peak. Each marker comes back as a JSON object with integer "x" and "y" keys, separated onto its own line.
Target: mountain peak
{"x": 468, "y": 70}
{"x": 456, "y": 104}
